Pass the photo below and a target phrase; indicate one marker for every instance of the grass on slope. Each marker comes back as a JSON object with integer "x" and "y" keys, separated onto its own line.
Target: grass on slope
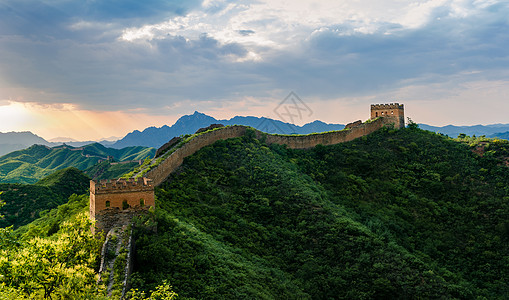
{"x": 396, "y": 214}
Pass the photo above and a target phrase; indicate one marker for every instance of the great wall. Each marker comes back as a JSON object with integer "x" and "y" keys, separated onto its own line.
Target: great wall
{"x": 113, "y": 203}
{"x": 381, "y": 115}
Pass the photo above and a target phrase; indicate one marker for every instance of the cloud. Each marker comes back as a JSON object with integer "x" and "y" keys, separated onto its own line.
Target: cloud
{"x": 245, "y": 32}
{"x": 160, "y": 55}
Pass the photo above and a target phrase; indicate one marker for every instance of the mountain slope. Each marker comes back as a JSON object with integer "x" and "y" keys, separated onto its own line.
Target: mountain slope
{"x": 501, "y": 135}
{"x": 12, "y": 141}
{"x": 396, "y": 214}
{"x": 188, "y": 124}
{"x": 109, "y": 170}
{"x": 478, "y": 130}
{"x": 24, "y": 202}
{"x": 34, "y": 163}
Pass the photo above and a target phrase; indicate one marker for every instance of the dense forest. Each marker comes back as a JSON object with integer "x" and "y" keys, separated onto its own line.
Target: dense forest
{"x": 396, "y": 214}
{"x": 399, "y": 213}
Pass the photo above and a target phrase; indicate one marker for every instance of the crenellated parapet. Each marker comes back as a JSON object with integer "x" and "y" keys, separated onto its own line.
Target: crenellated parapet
{"x": 386, "y": 106}
{"x": 121, "y": 185}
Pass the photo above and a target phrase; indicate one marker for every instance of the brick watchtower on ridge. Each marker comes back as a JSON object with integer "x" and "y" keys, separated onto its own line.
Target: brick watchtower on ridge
{"x": 394, "y": 112}
{"x": 114, "y": 202}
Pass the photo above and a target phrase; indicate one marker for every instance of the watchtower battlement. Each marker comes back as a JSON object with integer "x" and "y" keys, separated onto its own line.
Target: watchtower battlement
{"x": 115, "y": 201}
{"x": 106, "y": 186}
{"x": 386, "y": 106}
{"x": 395, "y": 111}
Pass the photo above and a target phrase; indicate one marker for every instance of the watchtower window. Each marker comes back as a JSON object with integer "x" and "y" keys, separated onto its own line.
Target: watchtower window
{"x": 392, "y": 112}
{"x": 376, "y": 114}
{"x": 142, "y": 202}
{"x": 125, "y": 205}
{"x": 108, "y": 203}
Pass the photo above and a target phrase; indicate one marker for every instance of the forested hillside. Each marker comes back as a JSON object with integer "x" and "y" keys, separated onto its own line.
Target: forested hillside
{"x": 396, "y": 214}
{"x": 502, "y": 135}
{"x": 25, "y": 202}
{"x": 34, "y": 163}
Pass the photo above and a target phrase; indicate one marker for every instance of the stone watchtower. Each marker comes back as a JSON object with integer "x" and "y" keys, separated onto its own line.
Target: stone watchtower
{"x": 114, "y": 202}
{"x": 395, "y": 112}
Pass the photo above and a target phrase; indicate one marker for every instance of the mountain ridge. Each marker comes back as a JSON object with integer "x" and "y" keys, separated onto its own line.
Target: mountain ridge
{"x": 492, "y": 130}
{"x": 33, "y": 163}
{"x": 18, "y": 140}
{"x": 189, "y": 124}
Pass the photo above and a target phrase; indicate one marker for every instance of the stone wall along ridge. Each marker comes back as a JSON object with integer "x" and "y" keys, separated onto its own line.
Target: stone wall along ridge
{"x": 160, "y": 173}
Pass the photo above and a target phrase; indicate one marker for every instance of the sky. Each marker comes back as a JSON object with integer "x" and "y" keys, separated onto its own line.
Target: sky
{"x": 98, "y": 68}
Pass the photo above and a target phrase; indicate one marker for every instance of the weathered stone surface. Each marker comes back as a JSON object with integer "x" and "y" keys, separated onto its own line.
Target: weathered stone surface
{"x": 118, "y": 241}
{"x": 353, "y": 124}
{"x": 211, "y": 126}
{"x": 114, "y": 217}
{"x": 174, "y": 141}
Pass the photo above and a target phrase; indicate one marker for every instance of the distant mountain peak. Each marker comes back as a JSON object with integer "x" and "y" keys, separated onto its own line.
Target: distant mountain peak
{"x": 188, "y": 124}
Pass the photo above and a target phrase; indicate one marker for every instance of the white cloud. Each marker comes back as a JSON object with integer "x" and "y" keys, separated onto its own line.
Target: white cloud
{"x": 417, "y": 14}
{"x": 279, "y": 24}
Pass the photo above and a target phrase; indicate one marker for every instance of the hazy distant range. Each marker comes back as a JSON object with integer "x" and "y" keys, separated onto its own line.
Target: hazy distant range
{"x": 155, "y": 137}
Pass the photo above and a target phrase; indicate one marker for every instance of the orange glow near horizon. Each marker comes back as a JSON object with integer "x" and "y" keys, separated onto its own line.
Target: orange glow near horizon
{"x": 72, "y": 121}
{"x": 67, "y": 120}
